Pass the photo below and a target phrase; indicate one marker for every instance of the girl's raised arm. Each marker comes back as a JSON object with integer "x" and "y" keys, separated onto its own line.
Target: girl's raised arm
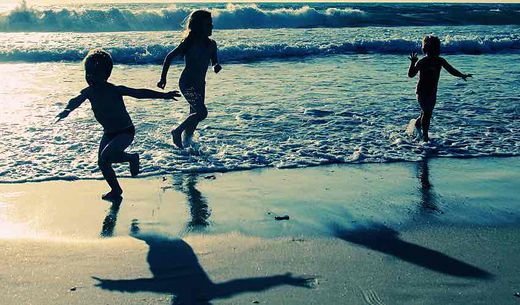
{"x": 413, "y": 70}
{"x": 167, "y": 62}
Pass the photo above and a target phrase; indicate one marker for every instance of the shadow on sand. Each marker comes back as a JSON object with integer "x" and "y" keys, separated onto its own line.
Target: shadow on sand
{"x": 381, "y": 238}
{"x": 176, "y": 271}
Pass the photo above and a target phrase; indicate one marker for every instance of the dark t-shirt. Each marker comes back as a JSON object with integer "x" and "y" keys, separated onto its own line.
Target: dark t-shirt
{"x": 108, "y": 107}
{"x": 429, "y": 72}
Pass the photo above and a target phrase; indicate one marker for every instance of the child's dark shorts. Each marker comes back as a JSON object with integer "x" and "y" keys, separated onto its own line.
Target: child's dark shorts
{"x": 111, "y": 135}
{"x": 427, "y": 102}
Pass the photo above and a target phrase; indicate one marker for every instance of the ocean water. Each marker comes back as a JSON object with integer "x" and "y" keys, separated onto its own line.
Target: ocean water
{"x": 302, "y": 85}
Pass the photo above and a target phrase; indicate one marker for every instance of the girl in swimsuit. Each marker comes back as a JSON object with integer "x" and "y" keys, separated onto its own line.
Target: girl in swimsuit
{"x": 198, "y": 50}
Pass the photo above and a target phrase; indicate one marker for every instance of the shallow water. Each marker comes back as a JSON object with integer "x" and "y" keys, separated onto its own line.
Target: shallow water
{"x": 321, "y": 110}
{"x": 295, "y": 96}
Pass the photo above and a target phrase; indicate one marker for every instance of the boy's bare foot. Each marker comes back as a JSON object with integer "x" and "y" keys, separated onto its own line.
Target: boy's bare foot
{"x": 112, "y": 196}
{"x": 177, "y": 138}
{"x": 134, "y": 165}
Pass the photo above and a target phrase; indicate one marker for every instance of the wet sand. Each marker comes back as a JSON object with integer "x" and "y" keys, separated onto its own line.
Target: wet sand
{"x": 442, "y": 231}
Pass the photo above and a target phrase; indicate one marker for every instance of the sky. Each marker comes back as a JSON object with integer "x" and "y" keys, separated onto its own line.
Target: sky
{"x": 163, "y": 1}
{"x": 250, "y": 1}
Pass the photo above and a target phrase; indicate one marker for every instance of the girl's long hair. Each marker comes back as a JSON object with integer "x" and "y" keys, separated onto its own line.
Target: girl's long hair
{"x": 431, "y": 45}
{"x": 194, "y": 26}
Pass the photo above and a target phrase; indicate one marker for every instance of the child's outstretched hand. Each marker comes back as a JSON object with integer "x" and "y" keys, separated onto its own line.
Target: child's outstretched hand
{"x": 161, "y": 84}
{"x": 65, "y": 113}
{"x": 217, "y": 68}
{"x": 172, "y": 95}
{"x": 465, "y": 76}
{"x": 413, "y": 57}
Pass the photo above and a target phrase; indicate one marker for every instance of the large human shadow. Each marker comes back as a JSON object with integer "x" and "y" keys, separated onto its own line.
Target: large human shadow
{"x": 198, "y": 205}
{"x": 176, "y": 271}
{"x": 378, "y": 237}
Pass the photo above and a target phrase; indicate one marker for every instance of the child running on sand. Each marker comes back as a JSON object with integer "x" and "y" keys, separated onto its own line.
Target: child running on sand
{"x": 429, "y": 69}
{"x": 197, "y": 49}
{"x": 109, "y": 110}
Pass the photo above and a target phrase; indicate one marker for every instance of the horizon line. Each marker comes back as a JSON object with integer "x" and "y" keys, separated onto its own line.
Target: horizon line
{"x": 36, "y": 2}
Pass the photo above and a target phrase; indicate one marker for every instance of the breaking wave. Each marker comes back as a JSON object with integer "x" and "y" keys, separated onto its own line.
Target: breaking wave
{"x": 234, "y": 16}
{"x": 256, "y": 52}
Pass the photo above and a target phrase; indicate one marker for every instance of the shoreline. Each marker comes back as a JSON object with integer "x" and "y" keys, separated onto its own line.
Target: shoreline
{"x": 399, "y": 194}
{"x": 220, "y": 171}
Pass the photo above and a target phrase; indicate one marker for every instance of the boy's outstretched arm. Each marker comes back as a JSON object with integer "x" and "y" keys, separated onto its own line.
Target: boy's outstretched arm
{"x": 412, "y": 70}
{"x": 214, "y": 59}
{"x": 454, "y": 71}
{"x": 168, "y": 61}
{"x": 147, "y": 93}
{"x": 72, "y": 104}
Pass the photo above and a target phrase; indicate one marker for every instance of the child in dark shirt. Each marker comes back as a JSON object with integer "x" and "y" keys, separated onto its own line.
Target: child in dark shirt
{"x": 429, "y": 69}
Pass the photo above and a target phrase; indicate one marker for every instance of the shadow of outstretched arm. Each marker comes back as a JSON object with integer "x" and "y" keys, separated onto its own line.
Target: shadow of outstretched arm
{"x": 379, "y": 237}
{"x": 223, "y": 290}
{"x": 227, "y": 289}
{"x": 158, "y": 285}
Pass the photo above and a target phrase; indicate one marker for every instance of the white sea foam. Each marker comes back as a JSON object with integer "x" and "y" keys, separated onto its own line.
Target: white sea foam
{"x": 336, "y": 109}
{"x": 257, "y": 45}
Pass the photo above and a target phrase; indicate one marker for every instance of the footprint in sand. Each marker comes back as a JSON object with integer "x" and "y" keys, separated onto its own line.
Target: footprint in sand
{"x": 371, "y": 297}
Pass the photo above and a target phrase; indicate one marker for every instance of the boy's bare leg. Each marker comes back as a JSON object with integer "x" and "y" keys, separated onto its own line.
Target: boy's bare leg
{"x": 113, "y": 152}
{"x": 425, "y": 123}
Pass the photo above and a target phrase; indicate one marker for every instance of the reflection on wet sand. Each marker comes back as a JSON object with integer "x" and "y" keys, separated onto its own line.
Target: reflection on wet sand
{"x": 109, "y": 223}
{"x": 428, "y": 200}
{"x": 198, "y": 206}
